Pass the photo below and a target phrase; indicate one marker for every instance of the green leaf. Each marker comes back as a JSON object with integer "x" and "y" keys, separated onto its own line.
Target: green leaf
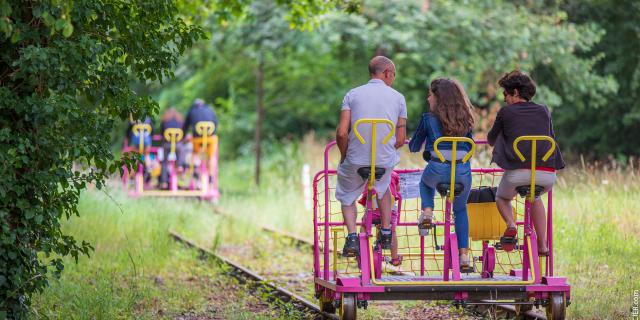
{"x": 68, "y": 29}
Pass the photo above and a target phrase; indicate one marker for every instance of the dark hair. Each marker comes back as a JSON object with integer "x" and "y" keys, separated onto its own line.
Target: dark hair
{"x": 516, "y": 80}
{"x": 452, "y": 108}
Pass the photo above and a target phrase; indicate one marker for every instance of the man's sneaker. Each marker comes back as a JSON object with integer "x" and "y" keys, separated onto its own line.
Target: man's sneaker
{"x": 351, "y": 246}
{"x": 385, "y": 240}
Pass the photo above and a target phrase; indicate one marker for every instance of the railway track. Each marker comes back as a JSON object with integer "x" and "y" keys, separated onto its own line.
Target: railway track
{"x": 508, "y": 311}
{"x": 245, "y": 273}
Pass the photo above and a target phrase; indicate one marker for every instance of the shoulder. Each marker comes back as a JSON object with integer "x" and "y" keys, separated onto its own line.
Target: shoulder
{"x": 395, "y": 93}
{"x": 357, "y": 89}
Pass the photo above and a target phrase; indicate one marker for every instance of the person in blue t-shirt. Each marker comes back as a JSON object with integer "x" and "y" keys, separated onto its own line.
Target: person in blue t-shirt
{"x": 451, "y": 115}
{"x": 198, "y": 112}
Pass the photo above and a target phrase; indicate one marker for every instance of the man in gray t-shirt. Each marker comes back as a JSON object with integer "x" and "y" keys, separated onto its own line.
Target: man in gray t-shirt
{"x": 374, "y": 100}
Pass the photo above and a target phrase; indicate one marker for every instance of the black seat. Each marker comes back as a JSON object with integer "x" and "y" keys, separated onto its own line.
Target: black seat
{"x": 523, "y": 191}
{"x": 444, "y": 187}
{"x": 364, "y": 172}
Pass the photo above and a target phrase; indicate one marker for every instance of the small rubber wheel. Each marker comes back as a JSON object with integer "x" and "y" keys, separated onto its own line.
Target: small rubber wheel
{"x": 348, "y": 306}
{"x": 557, "y": 307}
{"x": 326, "y": 305}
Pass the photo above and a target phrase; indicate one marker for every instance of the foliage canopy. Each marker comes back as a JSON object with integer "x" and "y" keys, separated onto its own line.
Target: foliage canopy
{"x": 307, "y": 73}
{"x": 65, "y": 70}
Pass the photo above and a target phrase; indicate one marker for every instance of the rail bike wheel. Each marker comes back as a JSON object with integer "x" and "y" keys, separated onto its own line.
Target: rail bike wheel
{"x": 326, "y": 305}
{"x": 348, "y": 306}
{"x": 557, "y": 307}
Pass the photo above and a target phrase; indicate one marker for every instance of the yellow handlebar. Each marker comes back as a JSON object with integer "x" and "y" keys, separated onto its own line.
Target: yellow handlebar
{"x": 173, "y": 135}
{"x": 454, "y": 146}
{"x": 533, "y": 140}
{"x": 373, "y": 123}
{"x": 138, "y": 129}
{"x": 205, "y": 129}
{"x": 454, "y": 141}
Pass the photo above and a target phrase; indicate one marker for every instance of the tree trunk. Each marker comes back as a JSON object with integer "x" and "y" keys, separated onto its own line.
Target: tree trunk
{"x": 259, "y": 114}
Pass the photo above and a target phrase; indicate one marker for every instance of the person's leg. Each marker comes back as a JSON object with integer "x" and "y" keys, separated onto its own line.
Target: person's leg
{"x": 164, "y": 169}
{"x": 384, "y": 205}
{"x": 461, "y": 218}
{"x": 427, "y": 192}
{"x": 349, "y": 215}
{"x": 540, "y": 224}
{"x": 547, "y": 180}
{"x": 426, "y": 198}
{"x": 394, "y": 246}
{"x": 505, "y": 193}
{"x": 348, "y": 188}
{"x": 506, "y": 211}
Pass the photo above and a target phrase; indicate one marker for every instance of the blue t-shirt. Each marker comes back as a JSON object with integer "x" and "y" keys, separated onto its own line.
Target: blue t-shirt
{"x": 199, "y": 113}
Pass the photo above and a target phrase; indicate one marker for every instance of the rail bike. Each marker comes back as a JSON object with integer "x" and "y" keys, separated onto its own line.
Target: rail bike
{"x": 201, "y": 183}
{"x": 430, "y": 269}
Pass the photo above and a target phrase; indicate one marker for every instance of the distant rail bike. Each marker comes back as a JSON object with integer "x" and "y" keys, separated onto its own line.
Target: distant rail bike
{"x": 430, "y": 270}
{"x": 202, "y": 183}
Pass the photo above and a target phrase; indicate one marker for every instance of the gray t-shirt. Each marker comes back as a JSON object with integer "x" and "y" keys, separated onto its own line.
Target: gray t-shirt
{"x": 374, "y": 100}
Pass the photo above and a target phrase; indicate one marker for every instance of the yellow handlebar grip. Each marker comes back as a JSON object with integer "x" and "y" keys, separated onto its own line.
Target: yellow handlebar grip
{"x": 205, "y": 128}
{"x": 373, "y": 123}
{"x": 173, "y": 134}
{"x": 454, "y": 146}
{"x": 454, "y": 140}
{"x": 138, "y": 130}
{"x": 533, "y": 139}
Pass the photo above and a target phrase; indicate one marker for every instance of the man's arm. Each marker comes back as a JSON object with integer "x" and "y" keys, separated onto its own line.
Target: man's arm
{"x": 342, "y": 133}
{"x": 401, "y": 132}
{"x": 492, "y": 136}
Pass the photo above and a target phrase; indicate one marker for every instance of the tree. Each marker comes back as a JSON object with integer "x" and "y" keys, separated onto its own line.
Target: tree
{"x": 65, "y": 75}
{"x": 65, "y": 69}
{"x": 306, "y": 78}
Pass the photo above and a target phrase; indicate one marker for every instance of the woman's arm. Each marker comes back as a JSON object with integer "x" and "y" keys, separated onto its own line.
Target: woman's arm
{"x": 418, "y": 137}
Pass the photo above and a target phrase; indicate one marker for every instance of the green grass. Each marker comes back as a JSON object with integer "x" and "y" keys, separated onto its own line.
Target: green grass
{"x": 137, "y": 271}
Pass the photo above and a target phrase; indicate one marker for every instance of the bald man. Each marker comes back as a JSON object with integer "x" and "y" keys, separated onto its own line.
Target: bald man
{"x": 374, "y": 100}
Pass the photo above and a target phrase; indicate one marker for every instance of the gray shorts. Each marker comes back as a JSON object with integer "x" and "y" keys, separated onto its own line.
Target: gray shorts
{"x": 350, "y": 185}
{"x": 522, "y": 177}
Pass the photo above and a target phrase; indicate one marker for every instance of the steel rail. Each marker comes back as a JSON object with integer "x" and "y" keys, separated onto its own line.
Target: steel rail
{"x": 282, "y": 293}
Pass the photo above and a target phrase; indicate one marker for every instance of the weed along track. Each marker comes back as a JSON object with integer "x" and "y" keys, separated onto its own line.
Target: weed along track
{"x": 244, "y": 273}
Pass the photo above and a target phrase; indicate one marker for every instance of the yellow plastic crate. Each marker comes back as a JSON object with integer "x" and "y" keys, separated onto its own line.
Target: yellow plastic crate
{"x": 485, "y": 222}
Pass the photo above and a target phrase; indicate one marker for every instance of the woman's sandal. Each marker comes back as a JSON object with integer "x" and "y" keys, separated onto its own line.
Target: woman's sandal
{"x": 396, "y": 262}
{"x": 508, "y": 240}
{"x": 425, "y": 221}
{"x": 465, "y": 264}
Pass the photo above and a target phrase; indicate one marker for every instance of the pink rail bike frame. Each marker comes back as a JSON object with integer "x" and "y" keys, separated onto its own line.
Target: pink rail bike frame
{"x": 324, "y": 174}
